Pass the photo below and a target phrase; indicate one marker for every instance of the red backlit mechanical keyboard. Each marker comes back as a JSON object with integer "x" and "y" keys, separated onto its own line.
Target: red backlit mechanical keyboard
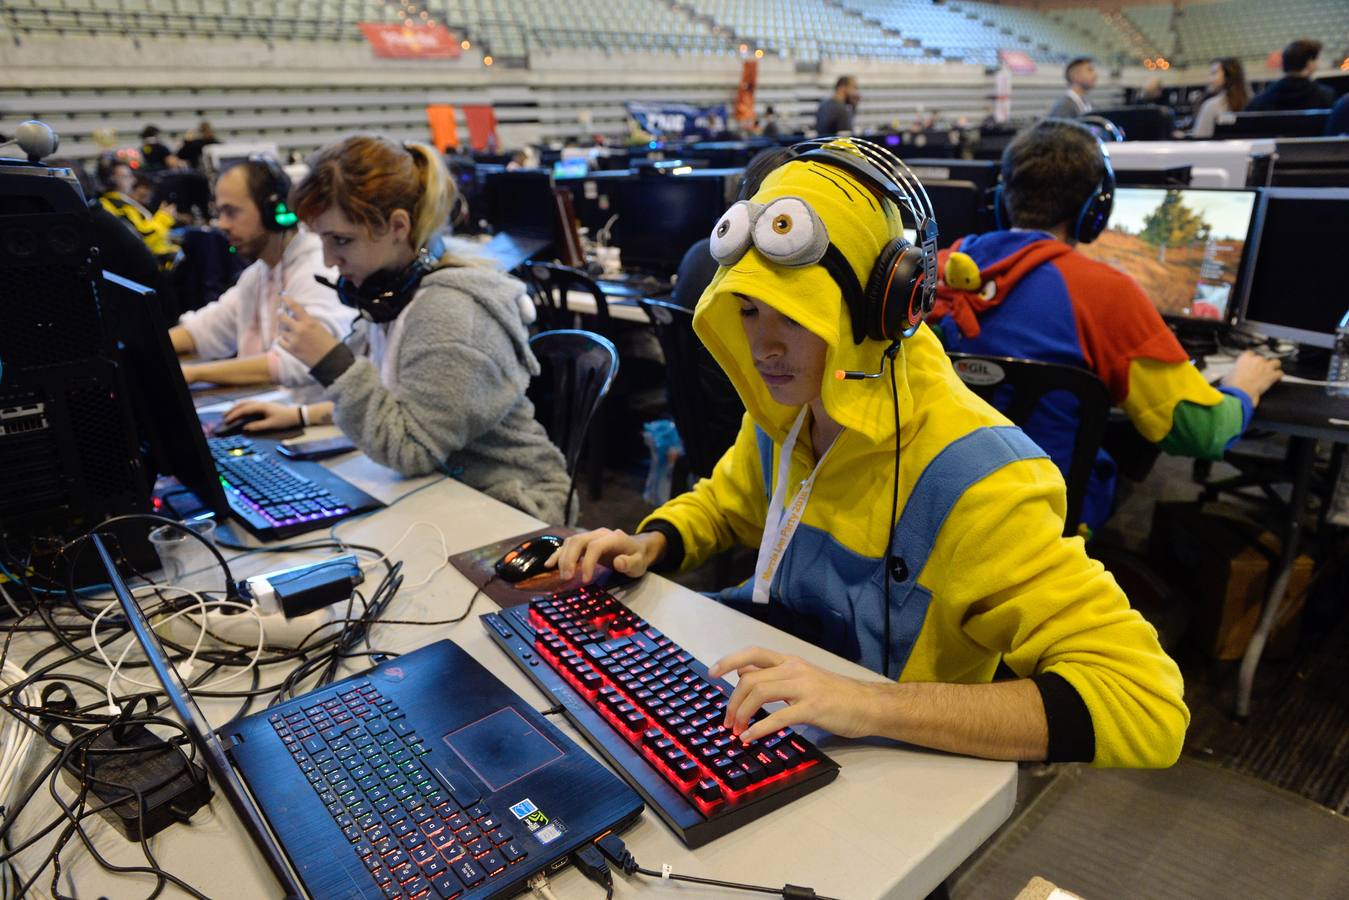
{"x": 649, "y": 706}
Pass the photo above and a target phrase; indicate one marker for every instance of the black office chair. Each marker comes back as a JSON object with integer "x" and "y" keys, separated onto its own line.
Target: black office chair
{"x": 1029, "y": 381}
{"x": 548, "y": 285}
{"x": 577, "y": 370}
{"x": 703, "y": 402}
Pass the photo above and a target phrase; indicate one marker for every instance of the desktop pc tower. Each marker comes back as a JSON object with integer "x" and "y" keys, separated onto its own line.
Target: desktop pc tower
{"x": 68, "y": 458}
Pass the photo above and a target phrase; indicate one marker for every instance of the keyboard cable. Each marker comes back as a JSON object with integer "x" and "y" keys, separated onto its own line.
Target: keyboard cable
{"x": 612, "y": 848}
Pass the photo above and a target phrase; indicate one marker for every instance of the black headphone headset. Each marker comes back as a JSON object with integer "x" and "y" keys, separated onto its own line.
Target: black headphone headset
{"x": 384, "y": 294}
{"x": 1094, "y": 214}
{"x": 276, "y": 214}
{"x": 902, "y": 286}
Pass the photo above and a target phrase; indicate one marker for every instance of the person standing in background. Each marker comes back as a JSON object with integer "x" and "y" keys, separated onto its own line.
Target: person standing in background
{"x": 835, "y": 112}
{"x": 1081, "y": 76}
{"x": 195, "y": 142}
{"x": 1228, "y": 93}
{"x": 1295, "y": 90}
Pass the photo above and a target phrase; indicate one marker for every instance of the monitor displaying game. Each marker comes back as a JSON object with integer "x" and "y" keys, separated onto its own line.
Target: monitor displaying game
{"x": 1187, "y": 248}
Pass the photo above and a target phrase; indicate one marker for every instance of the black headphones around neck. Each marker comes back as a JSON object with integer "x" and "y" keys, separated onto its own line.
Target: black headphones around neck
{"x": 272, "y": 202}
{"x": 1094, "y": 213}
{"x": 902, "y": 287}
{"x": 386, "y": 293}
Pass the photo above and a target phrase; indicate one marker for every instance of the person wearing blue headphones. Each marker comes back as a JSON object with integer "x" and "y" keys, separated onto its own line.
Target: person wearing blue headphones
{"x": 234, "y": 338}
{"x": 434, "y": 373}
{"x": 1023, "y": 291}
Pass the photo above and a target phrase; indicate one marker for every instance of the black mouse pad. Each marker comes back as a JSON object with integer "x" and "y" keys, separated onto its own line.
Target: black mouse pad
{"x": 479, "y": 566}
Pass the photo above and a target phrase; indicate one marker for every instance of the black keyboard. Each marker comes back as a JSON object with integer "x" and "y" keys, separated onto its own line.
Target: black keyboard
{"x": 649, "y": 706}
{"x": 277, "y": 499}
{"x": 419, "y": 834}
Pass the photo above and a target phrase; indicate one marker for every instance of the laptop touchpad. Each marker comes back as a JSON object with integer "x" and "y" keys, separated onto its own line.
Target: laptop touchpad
{"x": 502, "y": 748}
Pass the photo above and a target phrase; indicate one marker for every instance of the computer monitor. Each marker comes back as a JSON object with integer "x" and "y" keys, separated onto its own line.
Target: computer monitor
{"x": 576, "y": 167}
{"x": 1172, "y": 176}
{"x": 1141, "y": 123}
{"x": 1311, "y": 162}
{"x": 521, "y": 203}
{"x": 216, "y": 158}
{"x": 659, "y": 218}
{"x": 1285, "y": 123}
{"x": 1294, "y": 289}
{"x": 1187, "y": 248}
{"x": 961, "y": 209}
{"x": 169, "y": 433}
{"x": 1213, "y": 164}
{"x": 982, "y": 173}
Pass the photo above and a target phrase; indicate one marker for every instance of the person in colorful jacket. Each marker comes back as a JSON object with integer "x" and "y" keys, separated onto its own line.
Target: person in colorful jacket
{"x": 153, "y": 228}
{"x": 1025, "y": 292}
{"x": 967, "y": 568}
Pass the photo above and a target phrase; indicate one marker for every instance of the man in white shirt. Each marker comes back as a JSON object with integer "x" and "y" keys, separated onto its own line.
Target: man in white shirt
{"x": 1081, "y": 76}
{"x": 237, "y": 333}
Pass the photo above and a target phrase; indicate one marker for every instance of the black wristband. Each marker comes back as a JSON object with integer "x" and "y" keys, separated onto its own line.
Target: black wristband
{"x": 334, "y": 363}
{"x": 673, "y": 556}
{"x": 1072, "y": 736}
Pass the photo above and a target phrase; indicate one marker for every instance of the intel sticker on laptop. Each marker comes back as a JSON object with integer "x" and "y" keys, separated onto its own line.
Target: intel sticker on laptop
{"x": 545, "y": 830}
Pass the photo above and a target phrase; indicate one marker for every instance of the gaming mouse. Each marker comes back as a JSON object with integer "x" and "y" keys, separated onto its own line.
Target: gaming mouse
{"x": 527, "y": 558}
{"x": 229, "y": 429}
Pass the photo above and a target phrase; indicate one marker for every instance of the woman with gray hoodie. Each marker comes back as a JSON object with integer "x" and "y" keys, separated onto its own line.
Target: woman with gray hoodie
{"x": 433, "y": 374}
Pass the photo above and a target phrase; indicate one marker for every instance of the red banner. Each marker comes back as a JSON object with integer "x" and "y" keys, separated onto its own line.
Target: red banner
{"x": 416, "y": 42}
{"x": 1017, "y": 61}
{"x": 744, "y": 97}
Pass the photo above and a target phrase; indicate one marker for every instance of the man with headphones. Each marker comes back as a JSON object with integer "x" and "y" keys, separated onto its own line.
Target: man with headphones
{"x": 900, "y": 521}
{"x": 1022, "y": 291}
{"x": 238, "y": 332}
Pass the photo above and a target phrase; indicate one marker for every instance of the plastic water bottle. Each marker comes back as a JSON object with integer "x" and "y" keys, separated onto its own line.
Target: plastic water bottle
{"x": 1338, "y": 376}
{"x": 662, "y": 439}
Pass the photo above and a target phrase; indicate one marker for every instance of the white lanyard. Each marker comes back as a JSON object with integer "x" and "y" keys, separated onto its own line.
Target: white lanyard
{"x": 781, "y": 523}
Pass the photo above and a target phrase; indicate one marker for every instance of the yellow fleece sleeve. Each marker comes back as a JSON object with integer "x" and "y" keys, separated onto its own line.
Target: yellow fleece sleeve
{"x": 1156, "y": 388}
{"x": 724, "y": 510}
{"x": 1006, "y": 576}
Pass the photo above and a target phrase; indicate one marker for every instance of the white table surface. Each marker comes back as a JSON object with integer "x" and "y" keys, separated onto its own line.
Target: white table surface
{"x": 626, "y": 309}
{"x": 895, "y": 823}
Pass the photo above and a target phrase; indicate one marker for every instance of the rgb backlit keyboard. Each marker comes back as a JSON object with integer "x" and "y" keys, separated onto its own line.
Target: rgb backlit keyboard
{"x": 657, "y": 704}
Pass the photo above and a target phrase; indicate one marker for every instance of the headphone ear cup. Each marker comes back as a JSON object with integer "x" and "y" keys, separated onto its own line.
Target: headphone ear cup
{"x": 893, "y": 295}
{"x": 1095, "y": 215}
{"x": 1002, "y": 217}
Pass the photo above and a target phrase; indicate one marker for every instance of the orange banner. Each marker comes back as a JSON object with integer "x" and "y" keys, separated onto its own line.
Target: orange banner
{"x": 416, "y": 42}
{"x": 744, "y": 97}
{"x": 444, "y": 133}
{"x": 482, "y": 127}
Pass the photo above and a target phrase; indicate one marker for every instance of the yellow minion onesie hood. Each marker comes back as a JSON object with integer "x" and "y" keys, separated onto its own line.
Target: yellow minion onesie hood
{"x": 801, "y": 207}
{"x": 974, "y": 568}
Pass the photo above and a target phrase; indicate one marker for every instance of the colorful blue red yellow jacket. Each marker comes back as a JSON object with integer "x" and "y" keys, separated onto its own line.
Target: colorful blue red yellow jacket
{"x": 987, "y": 575}
{"x": 1033, "y": 297}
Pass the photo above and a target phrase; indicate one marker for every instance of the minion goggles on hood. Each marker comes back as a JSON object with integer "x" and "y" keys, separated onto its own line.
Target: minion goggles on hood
{"x": 788, "y": 232}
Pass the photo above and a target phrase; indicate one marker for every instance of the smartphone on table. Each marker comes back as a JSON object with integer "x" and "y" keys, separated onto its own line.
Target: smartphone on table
{"x": 320, "y": 448}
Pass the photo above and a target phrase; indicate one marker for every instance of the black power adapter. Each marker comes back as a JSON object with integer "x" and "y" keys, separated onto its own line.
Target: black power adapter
{"x": 129, "y": 758}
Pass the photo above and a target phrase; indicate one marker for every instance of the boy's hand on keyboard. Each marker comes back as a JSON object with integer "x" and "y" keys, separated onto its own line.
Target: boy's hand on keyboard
{"x": 627, "y": 554}
{"x": 813, "y": 695}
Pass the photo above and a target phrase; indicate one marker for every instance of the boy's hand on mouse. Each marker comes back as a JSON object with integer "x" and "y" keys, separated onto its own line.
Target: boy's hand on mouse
{"x": 627, "y": 554}
{"x": 273, "y": 416}
{"x": 814, "y": 696}
{"x": 1254, "y": 374}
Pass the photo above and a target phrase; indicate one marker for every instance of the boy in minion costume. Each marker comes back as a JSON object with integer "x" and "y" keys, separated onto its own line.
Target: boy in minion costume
{"x": 901, "y": 522}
